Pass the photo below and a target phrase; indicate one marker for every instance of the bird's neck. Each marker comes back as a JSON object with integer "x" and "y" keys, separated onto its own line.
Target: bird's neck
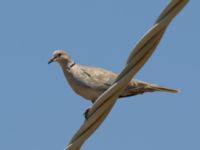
{"x": 67, "y": 69}
{"x": 66, "y": 66}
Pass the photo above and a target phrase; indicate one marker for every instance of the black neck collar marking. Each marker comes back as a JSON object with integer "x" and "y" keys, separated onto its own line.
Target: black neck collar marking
{"x": 70, "y": 65}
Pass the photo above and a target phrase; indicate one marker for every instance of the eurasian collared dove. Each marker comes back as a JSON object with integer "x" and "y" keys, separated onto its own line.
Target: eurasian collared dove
{"x": 90, "y": 82}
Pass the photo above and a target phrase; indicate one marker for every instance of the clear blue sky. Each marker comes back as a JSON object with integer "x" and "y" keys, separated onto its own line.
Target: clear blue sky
{"x": 38, "y": 109}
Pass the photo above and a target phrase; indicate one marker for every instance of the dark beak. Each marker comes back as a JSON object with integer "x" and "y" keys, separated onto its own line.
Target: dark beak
{"x": 51, "y": 60}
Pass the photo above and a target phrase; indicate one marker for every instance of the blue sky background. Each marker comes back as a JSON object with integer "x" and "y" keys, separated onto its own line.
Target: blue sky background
{"x": 38, "y": 109}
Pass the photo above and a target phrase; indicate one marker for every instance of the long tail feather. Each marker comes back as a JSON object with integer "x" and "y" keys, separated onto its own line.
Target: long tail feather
{"x": 164, "y": 89}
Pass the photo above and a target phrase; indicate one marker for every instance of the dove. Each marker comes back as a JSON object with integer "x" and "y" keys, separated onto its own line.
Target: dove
{"x": 90, "y": 82}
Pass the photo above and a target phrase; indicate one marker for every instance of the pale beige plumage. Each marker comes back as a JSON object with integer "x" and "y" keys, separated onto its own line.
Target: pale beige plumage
{"x": 90, "y": 82}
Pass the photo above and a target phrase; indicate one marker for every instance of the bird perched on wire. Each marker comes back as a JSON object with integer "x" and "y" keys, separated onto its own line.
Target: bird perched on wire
{"x": 91, "y": 82}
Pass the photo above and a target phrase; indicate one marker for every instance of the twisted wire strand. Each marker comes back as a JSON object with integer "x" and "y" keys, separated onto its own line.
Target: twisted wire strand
{"x": 138, "y": 57}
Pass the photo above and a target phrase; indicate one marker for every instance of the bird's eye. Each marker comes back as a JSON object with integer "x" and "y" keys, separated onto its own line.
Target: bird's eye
{"x": 58, "y": 55}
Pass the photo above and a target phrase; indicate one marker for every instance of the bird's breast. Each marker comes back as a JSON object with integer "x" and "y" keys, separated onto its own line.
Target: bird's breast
{"x": 79, "y": 85}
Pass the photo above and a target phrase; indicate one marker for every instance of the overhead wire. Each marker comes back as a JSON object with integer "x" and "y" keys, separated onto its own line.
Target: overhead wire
{"x": 138, "y": 57}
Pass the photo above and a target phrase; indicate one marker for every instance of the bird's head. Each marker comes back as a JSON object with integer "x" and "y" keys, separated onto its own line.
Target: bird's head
{"x": 60, "y": 56}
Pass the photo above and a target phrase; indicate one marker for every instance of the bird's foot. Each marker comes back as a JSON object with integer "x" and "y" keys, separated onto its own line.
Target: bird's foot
{"x": 86, "y": 113}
